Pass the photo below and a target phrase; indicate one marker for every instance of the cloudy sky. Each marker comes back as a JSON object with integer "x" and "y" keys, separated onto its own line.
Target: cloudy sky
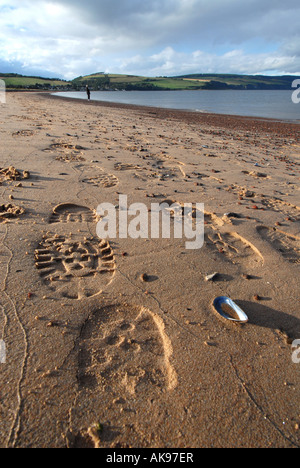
{"x": 68, "y": 38}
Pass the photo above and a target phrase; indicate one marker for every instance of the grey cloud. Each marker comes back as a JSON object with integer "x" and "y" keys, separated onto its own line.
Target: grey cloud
{"x": 169, "y": 62}
{"x": 230, "y": 21}
{"x": 156, "y": 36}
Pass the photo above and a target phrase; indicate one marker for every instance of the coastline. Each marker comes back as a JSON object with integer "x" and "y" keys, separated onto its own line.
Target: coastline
{"x": 114, "y": 343}
{"x": 278, "y": 126}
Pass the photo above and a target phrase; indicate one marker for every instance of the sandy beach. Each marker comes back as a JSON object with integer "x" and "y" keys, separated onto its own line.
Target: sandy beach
{"x": 115, "y": 343}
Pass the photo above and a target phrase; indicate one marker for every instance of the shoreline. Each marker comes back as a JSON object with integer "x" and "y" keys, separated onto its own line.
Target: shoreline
{"x": 280, "y": 127}
{"x": 120, "y": 334}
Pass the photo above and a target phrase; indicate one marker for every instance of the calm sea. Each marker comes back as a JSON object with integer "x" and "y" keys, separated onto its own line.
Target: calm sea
{"x": 269, "y": 104}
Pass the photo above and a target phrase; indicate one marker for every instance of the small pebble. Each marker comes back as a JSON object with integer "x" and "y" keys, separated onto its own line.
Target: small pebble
{"x": 208, "y": 343}
{"x": 247, "y": 277}
{"x": 145, "y": 277}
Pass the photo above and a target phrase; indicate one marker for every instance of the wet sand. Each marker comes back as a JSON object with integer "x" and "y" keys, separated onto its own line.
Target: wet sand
{"x": 115, "y": 343}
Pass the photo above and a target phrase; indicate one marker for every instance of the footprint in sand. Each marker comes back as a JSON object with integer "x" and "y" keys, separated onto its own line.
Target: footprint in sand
{"x": 138, "y": 172}
{"x": 70, "y": 157}
{"x": 64, "y": 147}
{"x": 177, "y": 210}
{"x": 123, "y": 357}
{"x": 10, "y": 211}
{"x": 75, "y": 268}
{"x": 287, "y": 244}
{"x": 23, "y": 133}
{"x": 231, "y": 245}
{"x": 124, "y": 350}
{"x": 234, "y": 248}
{"x": 68, "y": 152}
{"x": 280, "y": 206}
{"x": 273, "y": 204}
{"x": 71, "y": 213}
{"x": 167, "y": 170}
{"x": 127, "y": 167}
{"x": 165, "y": 166}
{"x": 102, "y": 180}
{"x": 123, "y": 364}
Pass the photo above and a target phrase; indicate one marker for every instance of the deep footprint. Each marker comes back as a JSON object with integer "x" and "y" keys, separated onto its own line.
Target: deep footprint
{"x": 102, "y": 180}
{"x": 70, "y": 213}
{"x": 287, "y": 244}
{"x": 124, "y": 351}
{"x": 234, "y": 248}
{"x": 124, "y": 369}
{"x": 75, "y": 269}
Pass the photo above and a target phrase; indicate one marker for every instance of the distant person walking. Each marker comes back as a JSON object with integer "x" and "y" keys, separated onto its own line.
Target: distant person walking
{"x": 88, "y": 92}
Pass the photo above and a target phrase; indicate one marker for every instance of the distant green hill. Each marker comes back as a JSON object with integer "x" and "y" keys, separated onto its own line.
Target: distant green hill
{"x": 103, "y": 81}
{"x": 15, "y": 81}
{"x": 227, "y": 81}
{"x": 186, "y": 82}
{"x": 131, "y": 82}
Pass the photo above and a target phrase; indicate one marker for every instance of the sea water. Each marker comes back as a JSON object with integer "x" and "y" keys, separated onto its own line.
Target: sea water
{"x": 265, "y": 104}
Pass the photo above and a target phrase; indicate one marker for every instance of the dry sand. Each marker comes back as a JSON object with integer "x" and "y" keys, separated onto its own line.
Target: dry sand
{"x": 96, "y": 355}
